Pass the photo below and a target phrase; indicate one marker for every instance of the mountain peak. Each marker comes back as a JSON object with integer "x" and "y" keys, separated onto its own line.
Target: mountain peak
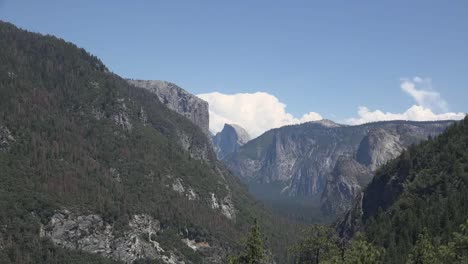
{"x": 242, "y": 134}
{"x": 229, "y": 140}
{"x": 178, "y": 100}
{"x": 326, "y": 123}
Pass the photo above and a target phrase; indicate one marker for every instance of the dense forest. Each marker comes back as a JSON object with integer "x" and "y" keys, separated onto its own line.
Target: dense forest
{"x": 76, "y": 136}
{"x": 422, "y": 198}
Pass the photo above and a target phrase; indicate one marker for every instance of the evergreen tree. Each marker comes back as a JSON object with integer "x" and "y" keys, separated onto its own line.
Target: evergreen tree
{"x": 254, "y": 249}
{"x": 318, "y": 244}
{"x": 424, "y": 251}
{"x": 456, "y": 250}
{"x": 362, "y": 252}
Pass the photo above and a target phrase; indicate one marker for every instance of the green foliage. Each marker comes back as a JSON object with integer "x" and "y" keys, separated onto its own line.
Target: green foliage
{"x": 254, "y": 248}
{"x": 423, "y": 251}
{"x": 417, "y": 201}
{"x": 460, "y": 243}
{"x": 60, "y": 104}
{"x": 318, "y": 243}
{"x": 362, "y": 252}
{"x": 456, "y": 250}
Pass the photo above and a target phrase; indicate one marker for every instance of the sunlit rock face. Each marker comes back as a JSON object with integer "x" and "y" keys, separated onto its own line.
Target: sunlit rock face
{"x": 6, "y": 138}
{"x": 229, "y": 140}
{"x": 326, "y": 161}
{"x": 379, "y": 146}
{"x": 178, "y": 100}
{"x": 90, "y": 233}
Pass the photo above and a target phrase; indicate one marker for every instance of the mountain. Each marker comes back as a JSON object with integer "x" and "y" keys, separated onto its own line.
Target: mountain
{"x": 323, "y": 162}
{"x": 179, "y": 100}
{"x": 95, "y": 170}
{"x": 422, "y": 191}
{"x": 229, "y": 140}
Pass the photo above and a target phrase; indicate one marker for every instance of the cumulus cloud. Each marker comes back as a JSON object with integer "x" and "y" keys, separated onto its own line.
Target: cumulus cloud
{"x": 256, "y": 112}
{"x": 429, "y": 106}
{"x": 414, "y": 113}
{"x": 260, "y": 111}
{"x": 424, "y": 96}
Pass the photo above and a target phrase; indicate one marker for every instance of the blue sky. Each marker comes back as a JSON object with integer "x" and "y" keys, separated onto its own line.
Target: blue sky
{"x": 328, "y": 57}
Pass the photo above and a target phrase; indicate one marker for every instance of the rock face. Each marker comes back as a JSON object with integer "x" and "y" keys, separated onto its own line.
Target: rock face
{"x": 91, "y": 234}
{"x": 351, "y": 221}
{"x": 229, "y": 140}
{"x": 379, "y": 146}
{"x": 346, "y": 180}
{"x": 178, "y": 100}
{"x": 121, "y": 117}
{"x": 5, "y": 138}
{"x": 326, "y": 160}
{"x": 226, "y": 205}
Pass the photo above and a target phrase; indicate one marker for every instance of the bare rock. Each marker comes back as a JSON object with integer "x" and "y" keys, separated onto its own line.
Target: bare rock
{"x": 6, "y": 138}
{"x": 178, "y": 100}
{"x": 91, "y": 234}
{"x": 300, "y": 159}
{"x": 229, "y": 140}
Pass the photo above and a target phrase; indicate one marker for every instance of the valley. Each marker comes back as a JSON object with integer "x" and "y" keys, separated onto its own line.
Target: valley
{"x": 98, "y": 167}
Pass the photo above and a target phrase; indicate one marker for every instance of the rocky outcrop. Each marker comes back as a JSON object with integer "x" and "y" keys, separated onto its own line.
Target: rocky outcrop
{"x": 198, "y": 150}
{"x": 229, "y": 140}
{"x": 91, "y": 234}
{"x": 6, "y": 138}
{"x": 121, "y": 117}
{"x": 345, "y": 182}
{"x": 378, "y": 147}
{"x": 178, "y": 100}
{"x": 303, "y": 159}
{"x": 225, "y": 205}
{"x": 350, "y": 222}
{"x": 178, "y": 186}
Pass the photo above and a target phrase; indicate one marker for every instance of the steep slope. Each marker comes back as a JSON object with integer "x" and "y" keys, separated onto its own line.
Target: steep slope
{"x": 229, "y": 140}
{"x": 178, "y": 100}
{"x": 91, "y": 164}
{"x": 425, "y": 188}
{"x": 346, "y": 180}
{"x": 299, "y": 161}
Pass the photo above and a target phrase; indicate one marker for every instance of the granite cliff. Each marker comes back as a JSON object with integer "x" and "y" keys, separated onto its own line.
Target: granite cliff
{"x": 325, "y": 161}
{"x": 229, "y": 140}
{"x": 178, "y": 100}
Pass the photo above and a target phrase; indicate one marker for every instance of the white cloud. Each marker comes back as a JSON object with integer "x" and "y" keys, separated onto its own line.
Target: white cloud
{"x": 260, "y": 111}
{"x": 414, "y": 113}
{"x": 424, "y": 96}
{"x": 427, "y": 101}
{"x": 256, "y": 112}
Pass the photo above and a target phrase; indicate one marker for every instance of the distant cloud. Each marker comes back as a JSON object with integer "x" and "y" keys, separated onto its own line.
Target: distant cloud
{"x": 424, "y": 96}
{"x": 427, "y": 101}
{"x": 414, "y": 113}
{"x": 260, "y": 111}
{"x": 256, "y": 112}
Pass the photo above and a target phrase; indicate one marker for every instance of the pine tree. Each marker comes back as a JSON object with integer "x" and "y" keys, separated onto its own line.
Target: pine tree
{"x": 456, "y": 250}
{"x": 318, "y": 243}
{"x": 254, "y": 249}
{"x": 423, "y": 251}
{"x": 362, "y": 252}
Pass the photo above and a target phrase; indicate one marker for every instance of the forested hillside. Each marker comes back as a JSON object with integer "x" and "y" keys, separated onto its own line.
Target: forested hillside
{"x": 89, "y": 163}
{"x": 416, "y": 203}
